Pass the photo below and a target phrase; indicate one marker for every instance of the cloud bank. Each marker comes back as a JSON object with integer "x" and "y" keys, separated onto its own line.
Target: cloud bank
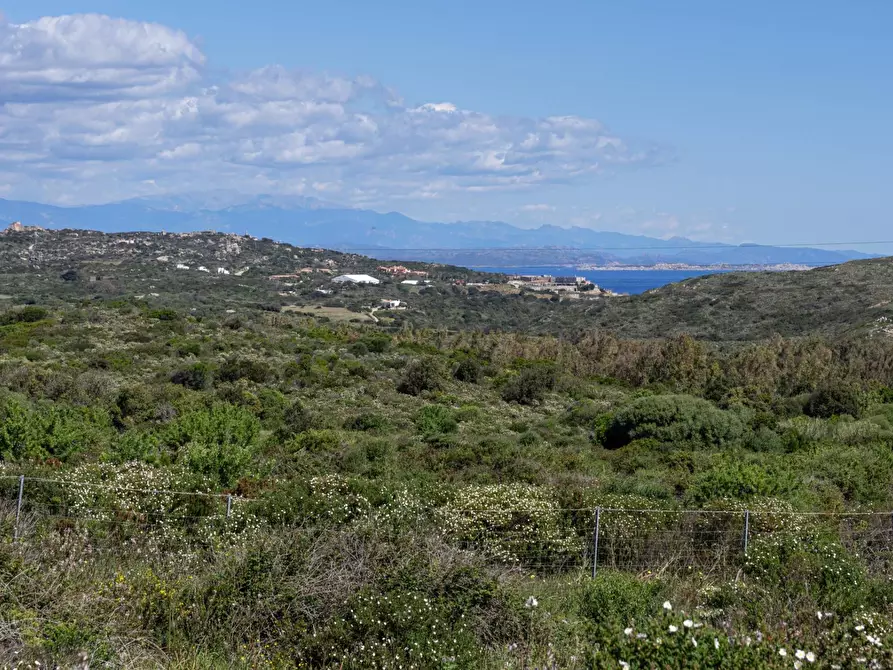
{"x": 95, "y": 109}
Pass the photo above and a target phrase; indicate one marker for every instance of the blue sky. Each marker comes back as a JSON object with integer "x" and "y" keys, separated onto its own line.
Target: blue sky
{"x": 758, "y": 121}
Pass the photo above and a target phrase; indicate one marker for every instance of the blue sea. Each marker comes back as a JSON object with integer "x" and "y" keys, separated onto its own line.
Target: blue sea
{"x": 621, "y": 281}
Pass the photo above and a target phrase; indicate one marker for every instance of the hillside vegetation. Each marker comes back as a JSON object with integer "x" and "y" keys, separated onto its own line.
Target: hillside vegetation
{"x": 214, "y": 482}
{"x": 855, "y": 297}
{"x": 834, "y": 301}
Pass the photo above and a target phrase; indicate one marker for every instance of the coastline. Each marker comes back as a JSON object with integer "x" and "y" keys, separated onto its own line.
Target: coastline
{"x": 783, "y": 267}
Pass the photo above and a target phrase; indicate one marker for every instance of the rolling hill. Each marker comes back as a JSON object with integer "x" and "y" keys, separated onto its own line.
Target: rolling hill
{"x": 853, "y": 297}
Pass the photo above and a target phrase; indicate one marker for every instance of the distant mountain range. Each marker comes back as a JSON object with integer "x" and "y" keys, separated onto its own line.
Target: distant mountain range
{"x": 308, "y": 222}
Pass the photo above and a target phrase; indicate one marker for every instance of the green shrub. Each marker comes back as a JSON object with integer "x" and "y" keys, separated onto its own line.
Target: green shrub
{"x": 357, "y": 369}
{"x": 419, "y": 376}
{"x": 510, "y": 523}
{"x": 235, "y": 369}
{"x": 359, "y": 349}
{"x": 189, "y": 348}
{"x": 738, "y": 481}
{"x": 164, "y": 314}
{"x": 814, "y": 562}
{"x": 136, "y": 445}
{"x": 584, "y": 413}
{"x": 618, "y": 599}
{"x": 468, "y": 370}
{"x": 435, "y": 420}
{"x": 295, "y": 419}
{"x": 376, "y": 344}
{"x": 379, "y": 450}
{"x": 529, "y": 439}
{"x": 763, "y": 439}
{"x": 218, "y": 442}
{"x": 197, "y": 376}
{"x": 530, "y": 385}
{"x": 833, "y": 400}
{"x": 680, "y": 420}
{"x": 49, "y": 430}
{"x": 29, "y": 314}
{"x": 316, "y": 442}
{"x": 862, "y": 474}
{"x": 367, "y": 421}
{"x": 273, "y": 406}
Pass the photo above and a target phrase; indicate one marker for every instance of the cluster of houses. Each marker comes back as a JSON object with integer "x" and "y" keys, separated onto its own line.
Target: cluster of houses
{"x": 549, "y": 283}
{"x": 202, "y": 268}
{"x": 401, "y": 271}
{"x": 369, "y": 279}
{"x": 397, "y": 271}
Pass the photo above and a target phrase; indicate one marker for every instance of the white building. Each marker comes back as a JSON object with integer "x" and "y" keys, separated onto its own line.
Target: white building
{"x": 390, "y": 304}
{"x": 411, "y": 282}
{"x": 356, "y": 279}
{"x": 180, "y": 266}
{"x": 222, "y": 271}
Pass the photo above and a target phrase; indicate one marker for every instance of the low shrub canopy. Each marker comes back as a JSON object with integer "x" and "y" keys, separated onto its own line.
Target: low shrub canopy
{"x": 673, "y": 419}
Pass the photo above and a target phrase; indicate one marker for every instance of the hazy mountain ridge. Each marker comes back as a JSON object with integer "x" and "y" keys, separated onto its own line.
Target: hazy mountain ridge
{"x": 313, "y": 223}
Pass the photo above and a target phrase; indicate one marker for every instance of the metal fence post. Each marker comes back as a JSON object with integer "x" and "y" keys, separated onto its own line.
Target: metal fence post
{"x": 229, "y": 504}
{"x": 15, "y": 532}
{"x": 598, "y": 518}
{"x": 746, "y": 529}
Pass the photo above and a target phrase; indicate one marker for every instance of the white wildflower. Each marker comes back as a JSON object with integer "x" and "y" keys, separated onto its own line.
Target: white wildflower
{"x": 800, "y": 654}
{"x": 810, "y": 657}
{"x": 673, "y": 628}
{"x": 668, "y": 606}
{"x": 798, "y": 665}
{"x": 624, "y": 665}
{"x": 531, "y": 603}
{"x": 782, "y": 652}
{"x": 716, "y": 643}
{"x": 628, "y": 631}
{"x": 694, "y": 642}
{"x": 860, "y": 627}
{"x": 688, "y": 623}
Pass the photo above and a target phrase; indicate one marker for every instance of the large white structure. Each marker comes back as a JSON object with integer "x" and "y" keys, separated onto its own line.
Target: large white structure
{"x": 356, "y": 279}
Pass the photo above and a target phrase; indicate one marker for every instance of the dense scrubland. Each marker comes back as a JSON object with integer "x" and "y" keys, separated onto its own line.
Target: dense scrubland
{"x": 234, "y": 486}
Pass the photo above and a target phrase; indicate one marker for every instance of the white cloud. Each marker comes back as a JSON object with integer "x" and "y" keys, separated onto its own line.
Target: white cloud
{"x": 94, "y": 108}
{"x": 92, "y": 56}
{"x": 539, "y": 207}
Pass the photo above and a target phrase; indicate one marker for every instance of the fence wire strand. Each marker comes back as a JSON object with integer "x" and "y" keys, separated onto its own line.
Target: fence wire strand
{"x": 713, "y": 542}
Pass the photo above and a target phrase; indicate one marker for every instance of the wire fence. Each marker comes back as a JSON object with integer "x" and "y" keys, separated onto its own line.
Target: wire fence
{"x": 657, "y": 541}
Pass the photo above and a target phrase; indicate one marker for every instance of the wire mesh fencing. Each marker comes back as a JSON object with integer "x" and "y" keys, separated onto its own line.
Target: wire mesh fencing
{"x": 545, "y": 540}
{"x": 33, "y": 508}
